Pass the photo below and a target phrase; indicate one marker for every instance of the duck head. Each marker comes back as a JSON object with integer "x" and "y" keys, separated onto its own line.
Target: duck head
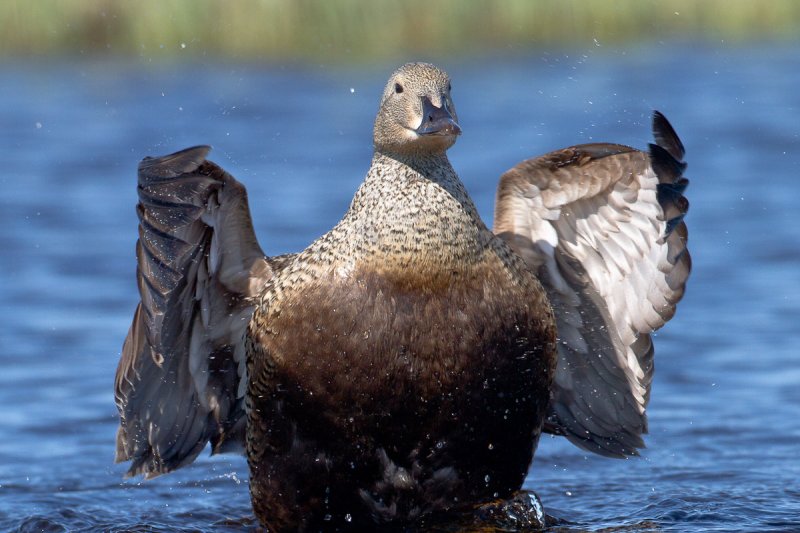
{"x": 416, "y": 114}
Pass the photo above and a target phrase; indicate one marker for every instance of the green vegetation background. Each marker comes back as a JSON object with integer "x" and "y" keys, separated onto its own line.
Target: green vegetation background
{"x": 373, "y": 30}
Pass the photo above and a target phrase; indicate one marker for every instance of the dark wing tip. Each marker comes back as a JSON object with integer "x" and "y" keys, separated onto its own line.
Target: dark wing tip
{"x": 667, "y": 168}
{"x": 666, "y": 157}
{"x": 182, "y": 162}
{"x": 666, "y": 137}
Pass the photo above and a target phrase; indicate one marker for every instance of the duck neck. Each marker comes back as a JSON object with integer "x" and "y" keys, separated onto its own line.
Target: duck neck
{"x": 413, "y": 209}
{"x": 430, "y": 165}
{"x": 403, "y": 177}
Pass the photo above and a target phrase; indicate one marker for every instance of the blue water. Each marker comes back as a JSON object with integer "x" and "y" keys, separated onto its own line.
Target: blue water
{"x": 725, "y": 411}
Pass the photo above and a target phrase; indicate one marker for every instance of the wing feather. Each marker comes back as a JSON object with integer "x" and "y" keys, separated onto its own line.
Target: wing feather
{"x": 179, "y": 379}
{"x": 602, "y": 226}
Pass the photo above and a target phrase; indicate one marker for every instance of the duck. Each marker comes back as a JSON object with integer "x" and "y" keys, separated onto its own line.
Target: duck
{"x": 405, "y": 363}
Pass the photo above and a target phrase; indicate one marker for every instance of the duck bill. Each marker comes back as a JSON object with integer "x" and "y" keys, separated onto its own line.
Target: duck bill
{"x": 437, "y": 120}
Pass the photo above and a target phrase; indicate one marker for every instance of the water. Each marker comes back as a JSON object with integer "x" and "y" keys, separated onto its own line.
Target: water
{"x": 724, "y": 416}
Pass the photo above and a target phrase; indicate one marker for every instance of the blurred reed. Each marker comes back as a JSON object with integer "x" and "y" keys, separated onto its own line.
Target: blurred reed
{"x": 371, "y": 30}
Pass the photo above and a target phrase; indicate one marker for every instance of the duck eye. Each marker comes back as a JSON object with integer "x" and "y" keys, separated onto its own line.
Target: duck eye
{"x": 398, "y": 88}
{"x": 448, "y": 86}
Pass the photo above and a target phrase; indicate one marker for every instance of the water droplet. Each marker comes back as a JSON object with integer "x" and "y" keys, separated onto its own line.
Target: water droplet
{"x": 491, "y": 446}
{"x": 327, "y": 518}
{"x": 38, "y": 125}
{"x": 348, "y": 517}
{"x": 487, "y": 478}
{"x": 352, "y": 91}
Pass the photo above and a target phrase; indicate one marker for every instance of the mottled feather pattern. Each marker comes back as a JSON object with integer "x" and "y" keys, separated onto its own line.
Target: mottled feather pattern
{"x": 429, "y": 239}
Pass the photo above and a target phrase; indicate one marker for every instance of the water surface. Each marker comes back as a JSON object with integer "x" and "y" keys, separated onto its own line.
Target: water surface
{"x": 725, "y": 409}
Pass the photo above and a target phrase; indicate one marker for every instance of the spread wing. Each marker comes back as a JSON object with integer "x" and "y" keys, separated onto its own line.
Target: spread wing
{"x": 601, "y": 225}
{"x": 179, "y": 383}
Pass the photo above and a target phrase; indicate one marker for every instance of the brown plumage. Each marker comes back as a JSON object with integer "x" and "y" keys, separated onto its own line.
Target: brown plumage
{"x": 406, "y": 362}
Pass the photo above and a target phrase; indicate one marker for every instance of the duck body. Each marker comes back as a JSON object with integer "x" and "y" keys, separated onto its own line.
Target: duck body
{"x": 418, "y": 379}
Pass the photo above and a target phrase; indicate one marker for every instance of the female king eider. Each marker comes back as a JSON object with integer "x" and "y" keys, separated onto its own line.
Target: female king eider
{"x": 407, "y": 361}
